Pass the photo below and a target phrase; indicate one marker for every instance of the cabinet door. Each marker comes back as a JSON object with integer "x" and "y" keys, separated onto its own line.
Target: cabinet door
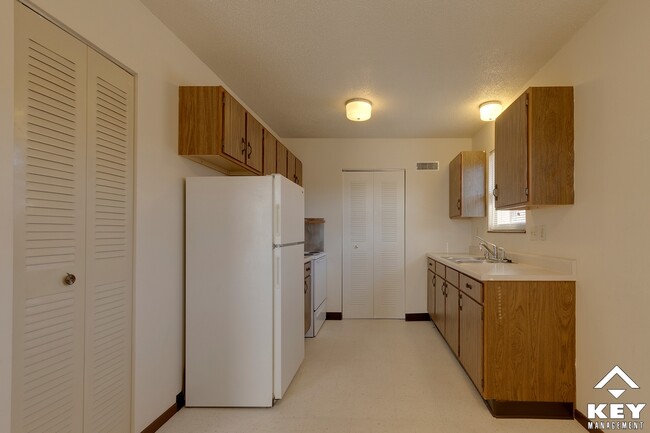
{"x": 291, "y": 166}
{"x": 298, "y": 172}
{"x": 439, "y": 305}
{"x": 451, "y": 317}
{"x": 431, "y": 294}
{"x": 455, "y": 173}
{"x": 281, "y": 159}
{"x": 511, "y": 154}
{"x": 254, "y": 152}
{"x": 270, "y": 149}
{"x": 471, "y": 338}
{"x": 234, "y": 129}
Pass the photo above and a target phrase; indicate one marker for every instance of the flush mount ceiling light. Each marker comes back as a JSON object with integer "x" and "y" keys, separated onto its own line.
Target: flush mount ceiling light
{"x": 358, "y": 109}
{"x": 490, "y": 110}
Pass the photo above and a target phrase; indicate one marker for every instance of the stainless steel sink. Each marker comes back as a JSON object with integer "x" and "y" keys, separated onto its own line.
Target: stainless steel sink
{"x": 466, "y": 259}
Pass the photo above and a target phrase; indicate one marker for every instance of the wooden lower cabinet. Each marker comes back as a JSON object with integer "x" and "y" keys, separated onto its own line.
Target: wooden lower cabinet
{"x": 530, "y": 343}
{"x": 471, "y": 338}
{"x": 515, "y": 340}
{"x": 431, "y": 294}
{"x": 439, "y": 304}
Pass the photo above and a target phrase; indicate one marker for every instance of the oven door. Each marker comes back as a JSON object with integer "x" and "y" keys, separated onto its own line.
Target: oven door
{"x": 308, "y": 307}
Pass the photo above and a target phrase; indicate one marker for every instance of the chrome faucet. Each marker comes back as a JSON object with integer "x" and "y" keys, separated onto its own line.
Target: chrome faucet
{"x": 493, "y": 252}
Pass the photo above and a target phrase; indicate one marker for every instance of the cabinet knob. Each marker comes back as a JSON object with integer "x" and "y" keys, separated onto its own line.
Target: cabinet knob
{"x": 495, "y": 192}
{"x": 458, "y": 204}
{"x": 250, "y": 150}
{"x": 243, "y": 146}
{"x": 468, "y": 286}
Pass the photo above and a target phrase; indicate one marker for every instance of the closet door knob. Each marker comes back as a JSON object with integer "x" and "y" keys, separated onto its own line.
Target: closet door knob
{"x": 69, "y": 279}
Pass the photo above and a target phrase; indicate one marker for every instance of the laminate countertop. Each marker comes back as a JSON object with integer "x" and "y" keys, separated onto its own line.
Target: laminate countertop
{"x": 524, "y": 267}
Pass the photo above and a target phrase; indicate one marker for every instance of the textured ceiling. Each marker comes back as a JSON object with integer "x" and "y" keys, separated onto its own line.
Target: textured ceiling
{"x": 425, "y": 64}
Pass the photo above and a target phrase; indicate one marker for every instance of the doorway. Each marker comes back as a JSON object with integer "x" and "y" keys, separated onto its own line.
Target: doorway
{"x": 373, "y": 244}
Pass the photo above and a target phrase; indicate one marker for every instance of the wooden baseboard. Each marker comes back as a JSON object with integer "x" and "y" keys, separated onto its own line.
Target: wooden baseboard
{"x": 417, "y": 317}
{"x": 333, "y": 316}
{"x": 583, "y": 420}
{"x": 162, "y": 419}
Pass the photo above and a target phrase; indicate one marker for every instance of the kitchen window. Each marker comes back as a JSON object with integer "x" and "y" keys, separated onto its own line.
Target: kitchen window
{"x": 513, "y": 221}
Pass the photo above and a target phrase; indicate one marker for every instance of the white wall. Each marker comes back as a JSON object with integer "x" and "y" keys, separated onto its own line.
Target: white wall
{"x": 129, "y": 33}
{"x": 6, "y": 211}
{"x": 428, "y": 227}
{"x": 606, "y": 229}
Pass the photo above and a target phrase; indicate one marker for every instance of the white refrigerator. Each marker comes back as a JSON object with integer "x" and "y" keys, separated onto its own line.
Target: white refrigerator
{"x": 244, "y": 289}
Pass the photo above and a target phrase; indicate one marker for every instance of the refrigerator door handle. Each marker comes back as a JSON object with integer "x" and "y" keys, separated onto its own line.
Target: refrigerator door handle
{"x": 276, "y": 272}
{"x": 277, "y": 221}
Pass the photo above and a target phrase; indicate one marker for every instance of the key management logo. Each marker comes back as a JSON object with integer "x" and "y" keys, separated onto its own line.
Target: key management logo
{"x": 615, "y": 416}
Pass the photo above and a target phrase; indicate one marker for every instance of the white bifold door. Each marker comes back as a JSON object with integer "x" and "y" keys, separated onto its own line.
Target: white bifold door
{"x": 72, "y": 234}
{"x": 373, "y": 244}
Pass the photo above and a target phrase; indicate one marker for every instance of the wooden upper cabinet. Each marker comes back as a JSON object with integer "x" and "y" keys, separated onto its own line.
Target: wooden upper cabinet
{"x": 298, "y": 172}
{"x": 534, "y": 150}
{"x": 467, "y": 185}
{"x": 281, "y": 159}
{"x": 254, "y": 144}
{"x": 270, "y": 153}
{"x": 212, "y": 130}
{"x": 291, "y": 166}
{"x": 234, "y": 130}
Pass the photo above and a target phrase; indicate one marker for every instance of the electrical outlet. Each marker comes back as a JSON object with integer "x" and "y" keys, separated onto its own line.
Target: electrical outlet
{"x": 533, "y": 233}
{"x": 542, "y": 232}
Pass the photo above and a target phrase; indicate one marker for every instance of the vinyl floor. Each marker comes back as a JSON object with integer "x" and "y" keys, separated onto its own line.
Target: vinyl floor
{"x": 370, "y": 376}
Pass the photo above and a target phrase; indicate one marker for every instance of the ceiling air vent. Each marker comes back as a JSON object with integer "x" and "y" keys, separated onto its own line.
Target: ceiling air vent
{"x": 433, "y": 165}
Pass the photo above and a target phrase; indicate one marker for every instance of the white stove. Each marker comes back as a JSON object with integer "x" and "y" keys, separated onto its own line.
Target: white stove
{"x": 319, "y": 290}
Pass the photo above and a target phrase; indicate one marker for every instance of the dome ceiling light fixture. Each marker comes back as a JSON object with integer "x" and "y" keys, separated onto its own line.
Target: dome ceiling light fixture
{"x": 358, "y": 109}
{"x": 490, "y": 110}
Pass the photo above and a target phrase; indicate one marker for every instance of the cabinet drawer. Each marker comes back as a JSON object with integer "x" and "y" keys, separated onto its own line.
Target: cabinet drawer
{"x": 440, "y": 269}
{"x": 431, "y": 265}
{"x": 471, "y": 287}
{"x": 452, "y": 276}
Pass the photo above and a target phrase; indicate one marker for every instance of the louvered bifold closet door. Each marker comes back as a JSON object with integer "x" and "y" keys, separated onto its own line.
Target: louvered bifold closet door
{"x": 49, "y": 237}
{"x": 358, "y": 245}
{"x": 109, "y": 247}
{"x": 388, "y": 245}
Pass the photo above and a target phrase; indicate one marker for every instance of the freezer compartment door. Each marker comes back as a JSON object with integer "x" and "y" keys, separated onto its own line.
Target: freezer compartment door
{"x": 289, "y": 319}
{"x": 289, "y": 211}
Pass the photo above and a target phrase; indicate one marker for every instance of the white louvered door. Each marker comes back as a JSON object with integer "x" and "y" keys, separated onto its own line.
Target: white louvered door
{"x": 49, "y": 235}
{"x": 109, "y": 247}
{"x": 56, "y": 207}
{"x": 373, "y": 244}
{"x": 388, "y": 251}
{"x": 357, "y": 245}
